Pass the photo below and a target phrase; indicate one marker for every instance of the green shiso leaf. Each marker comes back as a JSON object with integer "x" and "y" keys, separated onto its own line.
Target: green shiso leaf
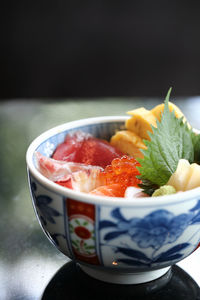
{"x": 171, "y": 141}
{"x": 148, "y": 187}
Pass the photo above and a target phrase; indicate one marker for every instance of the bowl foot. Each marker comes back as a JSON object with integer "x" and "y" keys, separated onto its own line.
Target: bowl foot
{"x": 124, "y": 278}
{"x": 175, "y": 284}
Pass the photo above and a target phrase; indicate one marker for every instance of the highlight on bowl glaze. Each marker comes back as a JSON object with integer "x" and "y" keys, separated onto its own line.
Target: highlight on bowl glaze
{"x": 117, "y": 240}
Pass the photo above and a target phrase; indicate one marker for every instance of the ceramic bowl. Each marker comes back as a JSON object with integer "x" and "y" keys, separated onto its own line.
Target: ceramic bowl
{"x": 125, "y": 241}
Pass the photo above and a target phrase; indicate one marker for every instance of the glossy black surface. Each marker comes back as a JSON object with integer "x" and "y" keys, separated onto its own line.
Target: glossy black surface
{"x": 70, "y": 282}
{"x": 28, "y": 260}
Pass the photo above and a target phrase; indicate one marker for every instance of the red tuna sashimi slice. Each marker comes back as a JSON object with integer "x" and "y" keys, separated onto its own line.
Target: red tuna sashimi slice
{"x": 81, "y": 147}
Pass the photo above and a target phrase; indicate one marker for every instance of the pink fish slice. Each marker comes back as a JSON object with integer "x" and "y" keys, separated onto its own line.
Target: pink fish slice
{"x": 79, "y": 177}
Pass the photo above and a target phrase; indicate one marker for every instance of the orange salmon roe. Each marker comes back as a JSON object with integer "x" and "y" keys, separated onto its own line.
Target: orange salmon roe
{"x": 122, "y": 171}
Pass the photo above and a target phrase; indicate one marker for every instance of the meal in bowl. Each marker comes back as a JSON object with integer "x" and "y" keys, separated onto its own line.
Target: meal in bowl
{"x": 156, "y": 153}
{"x": 86, "y": 186}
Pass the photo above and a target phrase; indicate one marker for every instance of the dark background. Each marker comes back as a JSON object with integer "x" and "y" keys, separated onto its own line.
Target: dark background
{"x": 99, "y": 48}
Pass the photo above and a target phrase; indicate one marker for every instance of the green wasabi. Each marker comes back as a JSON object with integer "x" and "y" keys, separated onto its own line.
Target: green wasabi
{"x": 164, "y": 190}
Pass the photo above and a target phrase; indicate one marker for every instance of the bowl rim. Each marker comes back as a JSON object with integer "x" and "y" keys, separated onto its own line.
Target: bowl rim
{"x": 85, "y": 197}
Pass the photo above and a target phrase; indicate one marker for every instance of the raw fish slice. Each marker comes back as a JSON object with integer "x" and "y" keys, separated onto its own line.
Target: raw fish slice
{"x": 53, "y": 169}
{"x": 134, "y": 192}
{"x": 111, "y": 190}
{"x": 83, "y": 181}
{"x": 71, "y": 146}
{"x": 81, "y": 147}
{"x": 57, "y": 170}
{"x": 86, "y": 181}
{"x": 77, "y": 176}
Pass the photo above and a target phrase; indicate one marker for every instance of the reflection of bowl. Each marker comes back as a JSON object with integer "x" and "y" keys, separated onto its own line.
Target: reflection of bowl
{"x": 113, "y": 239}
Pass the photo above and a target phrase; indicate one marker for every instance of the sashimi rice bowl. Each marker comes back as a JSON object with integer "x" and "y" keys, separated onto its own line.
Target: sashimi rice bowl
{"x": 120, "y": 195}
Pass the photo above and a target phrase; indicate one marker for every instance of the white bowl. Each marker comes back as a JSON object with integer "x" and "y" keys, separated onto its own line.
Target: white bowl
{"x": 118, "y": 240}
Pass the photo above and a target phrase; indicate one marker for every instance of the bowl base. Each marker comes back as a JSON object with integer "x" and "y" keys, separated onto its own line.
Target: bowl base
{"x": 175, "y": 284}
{"x": 124, "y": 277}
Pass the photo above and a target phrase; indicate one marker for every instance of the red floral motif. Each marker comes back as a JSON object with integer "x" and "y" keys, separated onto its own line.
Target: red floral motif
{"x": 81, "y": 223}
{"x": 82, "y": 232}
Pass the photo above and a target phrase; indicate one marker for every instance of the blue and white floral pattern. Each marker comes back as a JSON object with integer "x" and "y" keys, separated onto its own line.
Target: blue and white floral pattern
{"x": 48, "y": 213}
{"x": 49, "y": 210}
{"x": 138, "y": 258}
{"x": 42, "y": 202}
{"x": 153, "y": 232}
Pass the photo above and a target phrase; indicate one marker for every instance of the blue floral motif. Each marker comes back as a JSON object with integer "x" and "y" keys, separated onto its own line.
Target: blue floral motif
{"x": 137, "y": 258}
{"x": 48, "y": 213}
{"x": 196, "y": 212}
{"x": 42, "y": 202}
{"x": 154, "y": 230}
{"x": 158, "y": 228}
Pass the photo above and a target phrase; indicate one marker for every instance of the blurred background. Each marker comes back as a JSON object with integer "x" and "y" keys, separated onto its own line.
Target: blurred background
{"x": 115, "y": 54}
{"x": 99, "y": 48}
